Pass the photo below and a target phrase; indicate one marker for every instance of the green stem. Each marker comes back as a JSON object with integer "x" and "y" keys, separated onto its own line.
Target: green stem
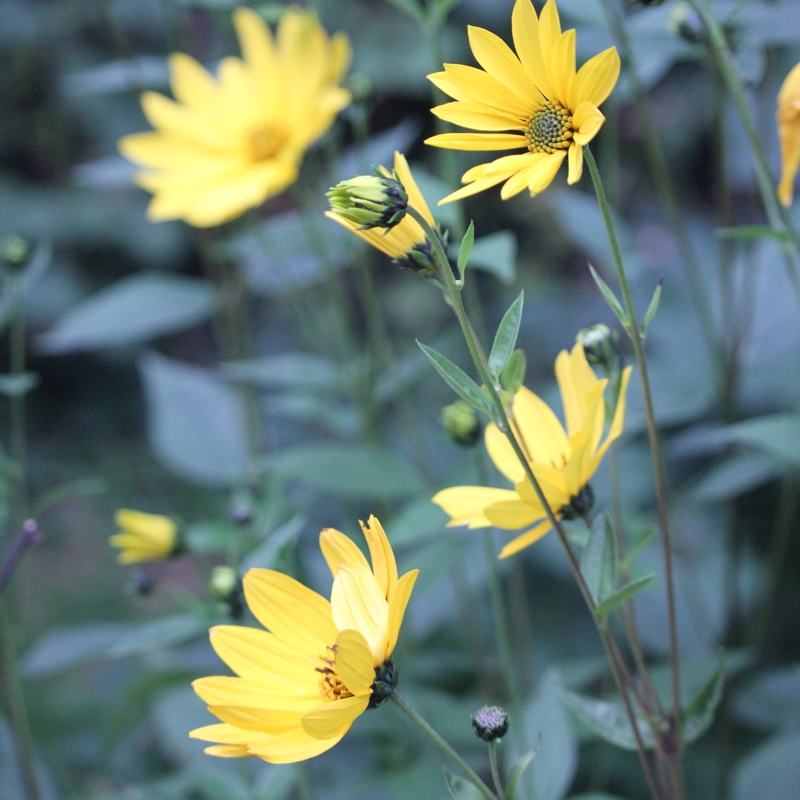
{"x": 500, "y": 418}
{"x": 632, "y": 328}
{"x": 778, "y": 216}
{"x": 423, "y": 724}
{"x": 498, "y": 785}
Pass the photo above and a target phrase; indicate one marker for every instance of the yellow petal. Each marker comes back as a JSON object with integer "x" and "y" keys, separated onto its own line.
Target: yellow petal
{"x": 541, "y": 434}
{"x": 619, "y": 416}
{"x": 561, "y": 67}
{"x": 353, "y": 660}
{"x": 190, "y": 82}
{"x": 478, "y": 141}
{"x": 293, "y": 746}
{"x": 415, "y": 198}
{"x": 222, "y": 733}
{"x": 551, "y": 482}
{"x": 525, "y": 30}
{"x": 295, "y": 614}
{"x": 466, "y": 504}
{"x": 473, "y": 85}
{"x": 575, "y": 163}
{"x": 549, "y": 33}
{"x": 575, "y": 472}
{"x": 339, "y": 549}
{"x": 788, "y": 117}
{"x": 397, "y": 606}
{"x": 333, "y": 719}
{"x": 542, "y": 173}
{"x": 526, "y": 539}
{"x": 357, "y": 602}
{"x": 264, "y": 721}
{"x": 575, "y": 381}
{"x": 477, "y": 117}
{"x": 384, "y": 565}
{"x": 224, "y": 690}
{"x": 184, "y": 122}
{"x": 595, "y": 79}
{"x": 497, "y": 58}
{"x": 502, "y": 454}
{"x": 587, "y": 121}
{"x": 513, "y": 514}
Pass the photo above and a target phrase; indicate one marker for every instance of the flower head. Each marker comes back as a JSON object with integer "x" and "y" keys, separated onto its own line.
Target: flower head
{"x": 370, "y": 201}
{"x": 301, "y": 683}
{"x": 405, "y": 242}
{"x": 144, "y": 537}
{"x": 230, "y": 142}
{"x": 789, "y": 133}
{"x": 533, "y": 100}
{"x": 563, "y": 460}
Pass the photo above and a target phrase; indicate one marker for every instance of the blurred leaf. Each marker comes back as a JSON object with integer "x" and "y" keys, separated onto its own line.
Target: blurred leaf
{"x": 457, "y": 380}
{"x": 513, "y": 375}
{"x": 275, "y": 781}
{"x": 410, "y": 7}
{"x": 210, "y": 536}
{"x": 652, "y": 308}
{"x": 18, "y": 385}
{"x": 775, "y": 434}
{"x": 699, "y": 712}
{"x": 622, "y": 595}
{"x": 82, "y": 487}
{"x": 595, "y": 796}
{"x": 348, "y": 470}
{"x": 640, "y": 542}
{"x": 599, "y": 559}
{"x": 506, "y": 338}
{"x": 522, "y": 763}
{"x": 496, "y": 254}
{"x": 25, "y": 280}
{"x": 288, "y": 370}
{"x": 750, "y": 232}
{"x": 132, "y": 311}
{"x": 735, "y": 474}
{"x": 121, "y": 75}
{"x": 195, "y": 421}
{"x": 460, "y": 788}
{"x": 157, "y": 634}
{"x": 417, "y": 521}
{"x": 218, "y": 785}
{"x": 466, "y": 248}
{"x": 771, "y": 700}
{"x": 770, "y": 771}
{"x": 272, "y": 552}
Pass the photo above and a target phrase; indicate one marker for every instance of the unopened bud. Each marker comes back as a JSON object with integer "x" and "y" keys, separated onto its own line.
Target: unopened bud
{"x": 686, "y": 23}
{"x": 461, "y": 423}
{"x": 490, "y": 723}
{"x": 600, "y": 344}
{"x": 14, "y": 251}
{"x": 370, "y": 201}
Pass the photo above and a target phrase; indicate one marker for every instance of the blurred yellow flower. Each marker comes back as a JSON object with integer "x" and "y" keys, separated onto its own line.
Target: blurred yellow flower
{"x": 551, "y": 109}
{"x": 229, "y": 143}
{"x": 563, "y": 461}
{"x": 144, "y": 537}
{"x": 300, "y": 684}
{"x": 405, "y": 242}
{"x": 789, "y": 132}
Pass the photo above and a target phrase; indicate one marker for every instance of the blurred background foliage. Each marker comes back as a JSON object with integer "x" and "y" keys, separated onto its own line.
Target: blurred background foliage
{"x": 136, "y": 405}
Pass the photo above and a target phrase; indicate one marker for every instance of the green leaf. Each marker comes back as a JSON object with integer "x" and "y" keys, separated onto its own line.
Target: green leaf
{"x": 410, "y": 7}
{"x": 466, "y": 248}
{"x": 770, "y": 771}
{"x": 354, "y": 471}
{"x": 457, "y": 379}
{"x": 210, "y": 536}
{"x": 286, "y": 371}
{"x": 460, "y": 788}
{"x": 622, "y": 595}
{"x": 18, "y": 385}
{"x": 523, "y": 762}
{"x": 607, "y": 719}
{"x": 506, "y": 337}
{"x": 653, "y": 307}
{"x": 775, "y": 434}
{"x": 513, "y": 376}
{"x": 24, "y": 282}
{"x": 599, "y": 559}
{"x": 83, "y": 487}
{"x": 750, "y": 232}
{"x": 641, "y": 541}
{"x": 132, "y": 311}
{"x": 610, "y": 297}
{"x": 699, "y": 712}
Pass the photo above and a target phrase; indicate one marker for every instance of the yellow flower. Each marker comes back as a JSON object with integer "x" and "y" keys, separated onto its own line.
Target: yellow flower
{"x": 300, "y": 684}
{"x": 537, "y": 94}
{"x": 227, "y": 144}
{"x": 563, "y": 461}
{"x": 144, "y": 537}
{"x": 405, "y": 242}
{"x": 789, "y": 132}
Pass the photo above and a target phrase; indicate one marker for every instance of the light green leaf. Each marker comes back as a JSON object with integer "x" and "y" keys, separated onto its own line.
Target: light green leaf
{"x": 457, "y": 379}
{"x": 513, "y": 376}
{"x": 622, "y": 595}
{"x": 132, "y": 311}
{"x": 699, "y": 712}
{"x": 466, "y": 248}
{"x": 610, "y": 297}
{"x": 599, "y": 559}
{"x": 460, "y": 788}
{"x": 641, "y": 541}
{"x": 751, "y": 232}
{"x": 770, "y": 771}
{"x": 775, "y": 434}
{"x": 518, "y": 771}
{"x": 506, "y": 337}
{"x": 653, "y": 307}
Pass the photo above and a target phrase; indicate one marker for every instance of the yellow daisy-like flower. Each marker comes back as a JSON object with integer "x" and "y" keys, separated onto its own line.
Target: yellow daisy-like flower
{"x": 405, "y": 242}
{"x": 227, "y": 144}
{"x": 300, "y": 685}
{"x": 144, "y": 537}
{"x": 563, "y": 461}
{"x": 551, "y": 109}
{"x": 789, "y": 132}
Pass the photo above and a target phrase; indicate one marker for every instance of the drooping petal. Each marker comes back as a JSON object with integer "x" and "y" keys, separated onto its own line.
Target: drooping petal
{"x": 512, "y": 514}
{"x": 357, "y": 602}
{"x": 415, "y": 198}
{"x": 331, "y": 719}
{"x": 788, "y": 117}
{"x": 575, "y": 163}
{"x": 293, "y": 746}
{"x": 466, "y": 504}
{"x": 526, "y": 539}
{"x": 353, "y": 661}
{"x": 575, "y": 470}
{"x": 615, "y": 430}
{"x": 587, "y": 121}
{"x": 575, "y": 380}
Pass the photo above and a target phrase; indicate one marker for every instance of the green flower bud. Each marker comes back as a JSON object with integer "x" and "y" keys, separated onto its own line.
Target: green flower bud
{"x": 14, "y": 251}
{"x": 223, "y": 583}
{"x": 370, "y": 201}
{"x": 600, "y": 345}
{"x": 490, "y": 723}
{"x": 461, "y": 423}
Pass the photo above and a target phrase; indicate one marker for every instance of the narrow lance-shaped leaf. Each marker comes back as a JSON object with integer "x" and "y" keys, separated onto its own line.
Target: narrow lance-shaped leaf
{"x": 465, "y": 250}
{"x": 622, "y": 595}
{"x": 641, "y": 541}
{"x": 752, "y": 232}
{"x": 457, "y": 379}
{"x": 519, "y": 769}
{"x": 599, "y": 559}
{"x": 513, "y": 376}
{"x": 699, "y": 713}
{"x": 653, "y": 307}
{"x": 506, "y": 338}
{"x": 610, "y": 297}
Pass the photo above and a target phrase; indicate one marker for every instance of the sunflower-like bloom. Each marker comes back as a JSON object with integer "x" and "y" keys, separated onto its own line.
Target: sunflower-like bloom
{"x": 144, "y": 537}
{"x": 300, "y": 684}
{"x": 563, "y": 461}
{"x": 405, "y": 242}
{"x": 229, "y": 143}
{"x": 550, "y": 109}
{"x": 789, "y": 133}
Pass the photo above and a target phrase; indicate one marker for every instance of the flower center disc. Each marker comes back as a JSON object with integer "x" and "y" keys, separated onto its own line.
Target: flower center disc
{"x": 549, "y": 129}
{"x": 331, "y": 686}
{"x": 264, "y": 143}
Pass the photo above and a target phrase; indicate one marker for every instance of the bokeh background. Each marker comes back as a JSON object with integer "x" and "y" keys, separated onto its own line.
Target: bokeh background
{"x": 131, "y": 404}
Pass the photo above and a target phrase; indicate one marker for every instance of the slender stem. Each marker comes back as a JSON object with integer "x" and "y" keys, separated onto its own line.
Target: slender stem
{"x": 618, "y": 669}
{"x": 30, "y": 535}
{"x": 778, "y": 216}
{"x": 632, "y": 328}
{"x": 426, "y": 728}
{"x": 498, "y": 785}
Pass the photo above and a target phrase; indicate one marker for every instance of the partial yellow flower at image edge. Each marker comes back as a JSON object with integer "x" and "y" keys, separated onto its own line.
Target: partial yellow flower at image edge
{"x": 532, "y": 100}
{"x": 562, "y": 460}
{"x": 144, "y": 537}
{"x": 300, "y": 684}
{"x": 228, "y": 143}
{"x": 788, "y": 117}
